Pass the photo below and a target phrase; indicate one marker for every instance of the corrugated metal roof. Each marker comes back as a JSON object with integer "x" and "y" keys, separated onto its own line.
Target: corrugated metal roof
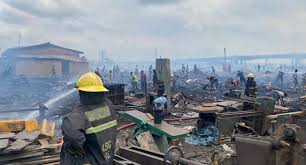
{"x": 19, "y": 52}
{"x": 46, "y": 45}
{"x": 69, "y": 58}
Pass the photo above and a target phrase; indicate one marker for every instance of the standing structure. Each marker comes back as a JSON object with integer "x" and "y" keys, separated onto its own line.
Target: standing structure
{"x": 45, "y": 60}
{"x": 164, "y": 75}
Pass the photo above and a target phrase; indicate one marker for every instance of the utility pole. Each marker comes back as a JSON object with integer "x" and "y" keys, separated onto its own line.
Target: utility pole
{"x": 19, "y": 39}
{"x": 102, "y": 57}
{"x": 224, "y": 56}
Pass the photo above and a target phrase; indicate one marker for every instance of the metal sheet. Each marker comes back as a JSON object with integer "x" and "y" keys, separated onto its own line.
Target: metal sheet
{"x": 118, "y": 160}
{"x": 142, "y": 156}
{"x": 254, "y": 152}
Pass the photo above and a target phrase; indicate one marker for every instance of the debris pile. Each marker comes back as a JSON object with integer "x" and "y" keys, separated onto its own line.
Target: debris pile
{"x": 27, "y": 143}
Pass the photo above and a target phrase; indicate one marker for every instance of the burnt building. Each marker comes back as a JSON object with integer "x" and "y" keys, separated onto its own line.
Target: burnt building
{"x": 43, "y": 60}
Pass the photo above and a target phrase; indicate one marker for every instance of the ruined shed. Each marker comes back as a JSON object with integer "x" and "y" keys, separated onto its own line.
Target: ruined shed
{"x": 38, "y": 61}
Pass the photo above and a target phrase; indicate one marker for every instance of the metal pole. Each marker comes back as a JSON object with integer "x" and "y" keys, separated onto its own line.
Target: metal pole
{"x": 225, "y": 56}
{"x": 19, "y": 39}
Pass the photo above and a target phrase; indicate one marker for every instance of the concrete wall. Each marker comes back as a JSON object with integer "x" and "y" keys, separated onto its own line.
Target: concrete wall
{"x": 38, "y": 68}
{"x": 77, "y": 68}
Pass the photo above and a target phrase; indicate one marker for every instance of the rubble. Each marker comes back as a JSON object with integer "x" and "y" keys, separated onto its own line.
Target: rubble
{"x": 203, "y": 136}
{"x": 208, "y": 125}
{"x": 27, "y": 146}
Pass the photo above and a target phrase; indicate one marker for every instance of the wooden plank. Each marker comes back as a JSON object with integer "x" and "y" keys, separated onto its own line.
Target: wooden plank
{"x": 53, "y": 148}
{"x": 31, "y": 159}
{"x": 209, "y": 104}
{"x": 226, "y": 103}
{"x": 55, "y": 163}
{"x": 17, "y": 146}
{"x": 10, "y": 157}
{"x": 285, "y": 114}
{"x": 31, "y": 125}
{"x": 147, "y": 142}
{"x": 201, "y": 109}
{"x": 7, "y": 135}
{"x": 278, "y": 107}
{"x": 12, "y": 125}
{"x": 47, "y": 129}
{"x": 28, "y": 136}
{"x": 4, "y": 143}
{"x": 39, "y": 162}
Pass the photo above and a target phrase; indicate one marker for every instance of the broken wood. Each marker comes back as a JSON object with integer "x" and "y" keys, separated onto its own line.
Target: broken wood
{"x": 285, "y": 114}
{"x": 27, "y": 136}
{"x": 20, "y": 161}
{"x": 150, "y": 116}
{"x": 43, "y": 142}
{"x": 12, "y": 125}
{"x": 207, "y": 109}
{"x": 32, "y": 125}
{"x": 4, "y": 143}
{"x": 42, "y": 161}
{"x": 53, "y": 148}
{"x": 47, "y": 128}
{"x": 146, "y": 141}
{"x": 17, "y": 146}
{"x": 7, "y": 135}
{"x": 10, "y": 157}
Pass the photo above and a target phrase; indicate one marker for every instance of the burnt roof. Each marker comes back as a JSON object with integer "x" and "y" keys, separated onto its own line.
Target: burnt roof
{"x": 44, "y": 45}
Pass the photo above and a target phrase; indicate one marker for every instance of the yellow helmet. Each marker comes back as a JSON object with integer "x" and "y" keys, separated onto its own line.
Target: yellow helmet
{"x": 251, "y": 75}
{"x": 90, "y": 82}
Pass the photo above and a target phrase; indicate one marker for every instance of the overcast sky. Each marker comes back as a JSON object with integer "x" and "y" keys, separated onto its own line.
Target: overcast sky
{"x": 132, "y": 29}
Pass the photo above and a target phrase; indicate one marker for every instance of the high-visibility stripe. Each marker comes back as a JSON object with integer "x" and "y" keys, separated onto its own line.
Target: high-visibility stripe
{"x": 98, "y": 114}
{"x": 101, "y": 127}
{"x": 86, "y": 83}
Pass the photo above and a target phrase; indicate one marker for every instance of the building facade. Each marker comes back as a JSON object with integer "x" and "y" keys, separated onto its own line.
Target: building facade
{"x": 45, "y": 60}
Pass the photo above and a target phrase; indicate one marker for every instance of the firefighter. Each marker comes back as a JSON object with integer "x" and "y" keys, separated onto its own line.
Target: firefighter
{"x": 134, "y": 82}
{"x": 250, "y": 86}
{"x": 89, "y": 130}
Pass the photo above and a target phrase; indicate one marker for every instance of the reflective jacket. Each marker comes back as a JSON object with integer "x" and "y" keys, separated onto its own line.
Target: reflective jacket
{"x": 250, "y": 88}
{"x": 89, "y": 135}
{"x": 134, "y": 78}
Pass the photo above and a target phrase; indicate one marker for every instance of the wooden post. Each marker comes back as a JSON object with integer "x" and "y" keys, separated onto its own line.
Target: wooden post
{"x": 164, "y": 75}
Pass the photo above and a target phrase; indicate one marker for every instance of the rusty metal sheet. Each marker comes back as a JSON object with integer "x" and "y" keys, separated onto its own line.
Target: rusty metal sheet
{"x": 254, "y": 152}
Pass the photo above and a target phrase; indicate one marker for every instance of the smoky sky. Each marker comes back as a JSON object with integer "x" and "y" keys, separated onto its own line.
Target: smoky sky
{"x": 133, "y": 29}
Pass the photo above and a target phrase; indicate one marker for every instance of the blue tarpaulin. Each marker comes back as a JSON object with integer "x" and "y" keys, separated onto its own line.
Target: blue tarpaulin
{"x": 203, "y": 136}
